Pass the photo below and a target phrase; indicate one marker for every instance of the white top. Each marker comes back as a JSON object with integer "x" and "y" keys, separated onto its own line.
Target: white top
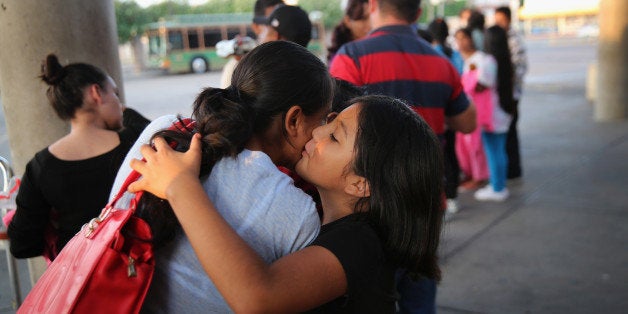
{"x": 486, "y": 71}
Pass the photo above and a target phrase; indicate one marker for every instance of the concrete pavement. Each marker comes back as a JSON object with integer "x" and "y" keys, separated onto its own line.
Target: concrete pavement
{"x": 560, "y": 243}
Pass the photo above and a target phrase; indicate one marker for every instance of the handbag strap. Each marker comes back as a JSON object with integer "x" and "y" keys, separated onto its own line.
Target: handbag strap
{"x": 183, "y": 125}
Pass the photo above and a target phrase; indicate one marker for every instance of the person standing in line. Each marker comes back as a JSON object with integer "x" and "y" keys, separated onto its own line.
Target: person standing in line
{"x": 503, "y": 19}
{"x": 464, "y": 15}
{"x": 477, "y": 24}
{"x": 394, "y": 61}
{"x": 494, "y": 122}
{"x": 261, "y": 10}
{"x": 487, "y": 79}
{"x": 287, "y": 22}
{"x": 354, "y": 25}
{"x": 440, "y": 32}
{"x": 469, "y": 149}
{"x": 67, "y": 183}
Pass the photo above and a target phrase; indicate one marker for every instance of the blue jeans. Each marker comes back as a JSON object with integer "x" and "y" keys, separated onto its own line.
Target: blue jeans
{"x": 496, "y": 158}
{"x": 415, "y": 297}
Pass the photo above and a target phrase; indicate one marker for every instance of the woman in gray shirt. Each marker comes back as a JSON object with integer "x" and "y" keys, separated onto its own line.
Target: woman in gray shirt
{"x": 279, "y": 93}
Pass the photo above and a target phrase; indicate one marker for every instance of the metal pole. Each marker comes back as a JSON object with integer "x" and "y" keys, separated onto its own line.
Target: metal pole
{"x": 7, "y": 174}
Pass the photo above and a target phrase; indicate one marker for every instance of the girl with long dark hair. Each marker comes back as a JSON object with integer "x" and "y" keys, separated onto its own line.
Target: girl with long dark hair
{"x": 354, "y": 25}
{"x": 378, "y": 168}
{"x": 494, "y": 134}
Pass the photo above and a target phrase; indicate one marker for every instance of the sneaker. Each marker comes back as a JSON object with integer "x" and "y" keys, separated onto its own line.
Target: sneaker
{"x": 471, "y": 185}
{"x": 488, "y": 194}
{"x": 452, "y": 206}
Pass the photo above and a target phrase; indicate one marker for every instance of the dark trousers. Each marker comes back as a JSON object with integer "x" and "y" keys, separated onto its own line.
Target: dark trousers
{"x": 452, "y": 169}
{"x": 415, "y": 297}
{"x": 512, "y": 147}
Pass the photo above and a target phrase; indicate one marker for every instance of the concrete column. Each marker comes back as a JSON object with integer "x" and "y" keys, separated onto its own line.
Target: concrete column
{"x": 612, "y": 94}
{"x": 75, "y": 30}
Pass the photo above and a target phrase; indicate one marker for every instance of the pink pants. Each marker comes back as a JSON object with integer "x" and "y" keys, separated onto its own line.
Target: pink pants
{"x": 470, "y": 153}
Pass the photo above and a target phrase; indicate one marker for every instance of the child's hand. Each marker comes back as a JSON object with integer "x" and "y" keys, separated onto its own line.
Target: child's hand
{"x": 165, "y": 167}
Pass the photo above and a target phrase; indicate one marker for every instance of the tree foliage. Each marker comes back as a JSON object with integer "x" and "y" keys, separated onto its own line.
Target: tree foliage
{"x": 332, "y": 13}
{"x": 131, "y": 19}
{"x": 452, "y": 8}
{"x": 167, "y": 8}
{"x": 224, "y": 6}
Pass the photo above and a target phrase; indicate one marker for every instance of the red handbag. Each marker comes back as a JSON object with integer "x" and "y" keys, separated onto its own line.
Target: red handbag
{"x": 106, "y": 267}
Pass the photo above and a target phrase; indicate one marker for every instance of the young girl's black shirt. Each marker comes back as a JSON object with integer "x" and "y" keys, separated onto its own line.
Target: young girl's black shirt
{"x": 370, "y": 278}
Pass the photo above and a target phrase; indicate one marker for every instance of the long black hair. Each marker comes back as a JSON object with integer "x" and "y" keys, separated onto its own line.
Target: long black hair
{"x": 267, "y": 82}
{"x": 476, "y": 20}
{"x": 496, "y": 44}
{"x": 341, "y": 33}
{"x": 440, "y": 31}
{"x": 66, "y": 84}
{"x": 401, "y": 158}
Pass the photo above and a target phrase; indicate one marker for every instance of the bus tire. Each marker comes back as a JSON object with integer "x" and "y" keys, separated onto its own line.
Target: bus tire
{"x": 199, "y": 65}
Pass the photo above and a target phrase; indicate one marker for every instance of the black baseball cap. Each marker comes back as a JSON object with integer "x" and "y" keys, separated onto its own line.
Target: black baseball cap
{"x": 292, "y": 23}
{"x": 260, "y": 9}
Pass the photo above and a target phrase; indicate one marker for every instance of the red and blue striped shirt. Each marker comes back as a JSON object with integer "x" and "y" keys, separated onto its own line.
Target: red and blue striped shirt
{"x": 395, "y": 61}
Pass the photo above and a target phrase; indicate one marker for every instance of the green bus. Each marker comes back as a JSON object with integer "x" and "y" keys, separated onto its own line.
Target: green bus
{"x": 187, "y": 43}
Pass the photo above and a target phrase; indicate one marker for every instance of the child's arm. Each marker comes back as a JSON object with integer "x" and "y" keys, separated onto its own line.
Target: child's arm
{"x": 297, "y": 282}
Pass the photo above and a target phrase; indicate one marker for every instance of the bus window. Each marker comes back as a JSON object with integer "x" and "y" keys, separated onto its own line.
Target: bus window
{"x": 175, "y": 39}
{"x": 249, "y": 32}
{"x": 232, "y": 32}
{"x": 212, "y": 36}
{"x": 154, "y": 45}
{"x": 314, "y": 32}
{"x": 193, "y": 39}
{"x": 170, "y": 39}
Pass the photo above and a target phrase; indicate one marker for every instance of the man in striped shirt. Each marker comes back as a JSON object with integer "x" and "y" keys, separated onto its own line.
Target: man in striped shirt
{"x": 392, "y": 60}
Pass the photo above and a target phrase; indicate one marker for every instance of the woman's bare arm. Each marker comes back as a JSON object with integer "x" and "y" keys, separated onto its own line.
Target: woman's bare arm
{"x": 296, "y": 282}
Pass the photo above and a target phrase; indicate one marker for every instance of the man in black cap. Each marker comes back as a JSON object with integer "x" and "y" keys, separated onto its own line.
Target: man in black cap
{"x": 262, "y": 10}
{"x": 289, "y": 23}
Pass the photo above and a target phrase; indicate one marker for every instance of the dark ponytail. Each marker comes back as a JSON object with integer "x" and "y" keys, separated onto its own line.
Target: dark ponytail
{"x": 67, "y": 83}
{"x": 226, "y": 124}
{"x": 339, "y": 36}
{"x": 267, "y": 82}
{"x": 51, "y": 70}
